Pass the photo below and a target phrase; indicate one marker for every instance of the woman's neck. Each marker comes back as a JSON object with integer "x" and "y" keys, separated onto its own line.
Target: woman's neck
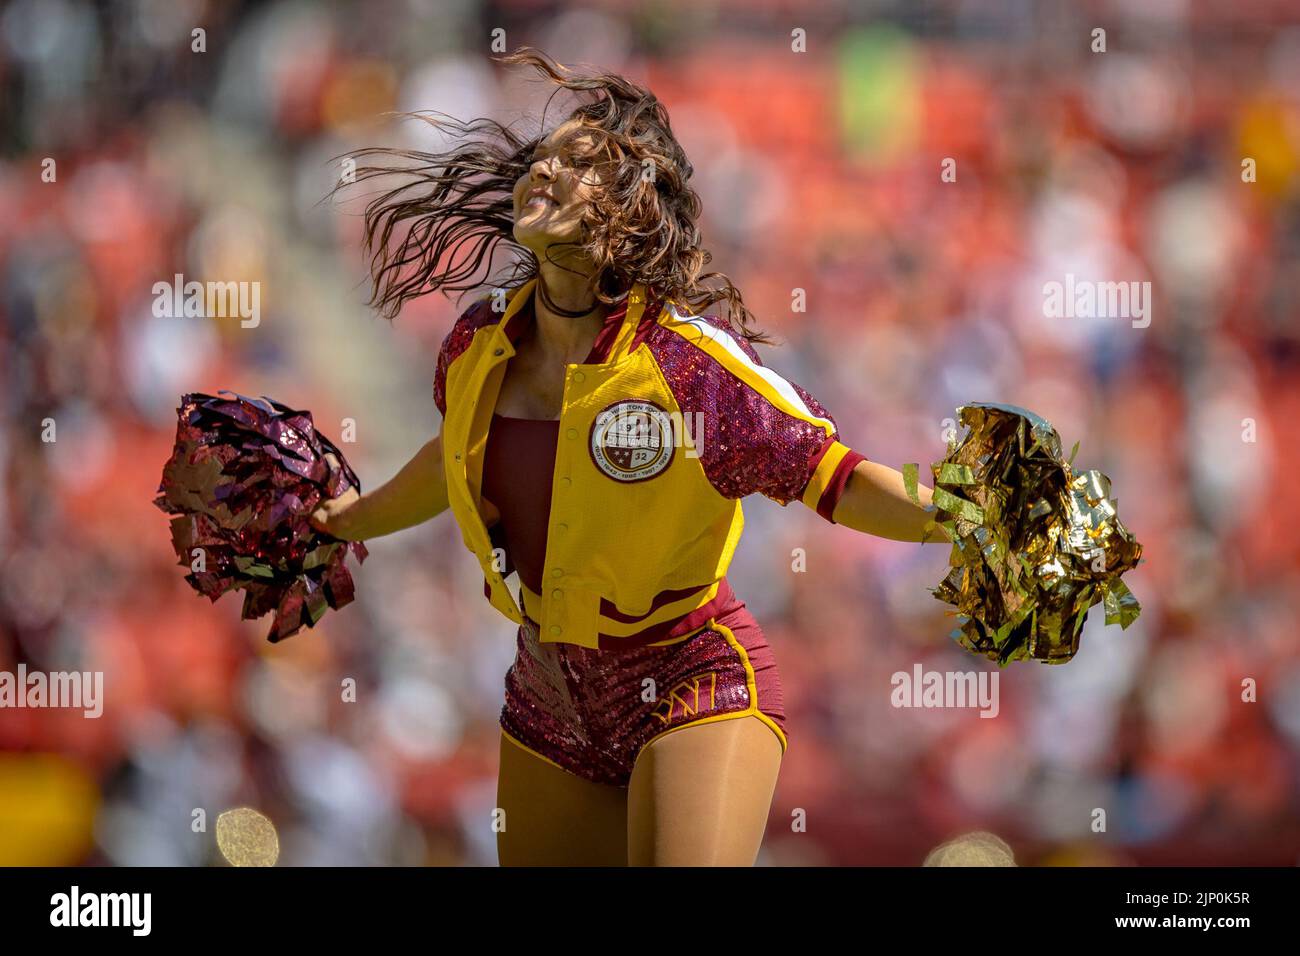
{"x": 566, "y": 337}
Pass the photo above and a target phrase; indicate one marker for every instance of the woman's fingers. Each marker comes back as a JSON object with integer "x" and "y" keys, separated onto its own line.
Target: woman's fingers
{"x": 325, "y": 517}
{"x": 319, "y": 519}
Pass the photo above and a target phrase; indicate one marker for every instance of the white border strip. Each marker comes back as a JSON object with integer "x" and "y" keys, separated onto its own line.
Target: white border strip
{"x": 779, "y": 384}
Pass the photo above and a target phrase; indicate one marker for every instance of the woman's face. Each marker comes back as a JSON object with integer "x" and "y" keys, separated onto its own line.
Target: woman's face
{"x": 551, "y": 198}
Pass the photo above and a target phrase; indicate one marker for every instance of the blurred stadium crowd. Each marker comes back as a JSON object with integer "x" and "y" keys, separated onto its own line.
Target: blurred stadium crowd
{"x": 819, "y": 171}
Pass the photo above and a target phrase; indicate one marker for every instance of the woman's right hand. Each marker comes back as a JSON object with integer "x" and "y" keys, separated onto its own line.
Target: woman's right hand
{"x": 331, "y": 516}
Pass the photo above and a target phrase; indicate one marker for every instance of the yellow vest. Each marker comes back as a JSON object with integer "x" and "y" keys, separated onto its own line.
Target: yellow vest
{"x": 634, "y": 515}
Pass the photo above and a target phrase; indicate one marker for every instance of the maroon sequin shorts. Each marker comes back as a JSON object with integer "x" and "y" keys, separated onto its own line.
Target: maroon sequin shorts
{"x": 591, "y": 712}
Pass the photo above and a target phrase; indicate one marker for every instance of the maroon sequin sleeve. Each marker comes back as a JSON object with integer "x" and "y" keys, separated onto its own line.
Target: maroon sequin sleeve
{"x": 750, "y": 443}
{"x": 456, "y": 342}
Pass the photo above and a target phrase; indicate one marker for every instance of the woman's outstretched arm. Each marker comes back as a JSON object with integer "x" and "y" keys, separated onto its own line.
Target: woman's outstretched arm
{"x": 875, "y": 501}
{"x": 415, "y": 494}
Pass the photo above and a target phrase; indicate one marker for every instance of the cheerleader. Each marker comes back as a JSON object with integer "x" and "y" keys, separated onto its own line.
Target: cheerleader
{"x": 599, "y": 428}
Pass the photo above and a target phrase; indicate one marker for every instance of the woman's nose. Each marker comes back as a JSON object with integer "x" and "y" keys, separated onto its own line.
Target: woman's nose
{"x": 543, "y": 170}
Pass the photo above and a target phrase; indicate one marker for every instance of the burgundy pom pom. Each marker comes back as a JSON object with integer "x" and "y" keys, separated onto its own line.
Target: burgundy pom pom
{"x": 242, "y": 480}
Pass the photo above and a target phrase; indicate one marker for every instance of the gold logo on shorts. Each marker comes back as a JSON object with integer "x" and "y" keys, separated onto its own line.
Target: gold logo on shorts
{"x": 686, "y": 696}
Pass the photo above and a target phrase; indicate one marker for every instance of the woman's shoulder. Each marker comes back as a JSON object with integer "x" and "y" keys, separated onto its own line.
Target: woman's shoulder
{"x": 680, "y": 328}
{"x": 479, "y": 315}
{"x": 710, "y": 364}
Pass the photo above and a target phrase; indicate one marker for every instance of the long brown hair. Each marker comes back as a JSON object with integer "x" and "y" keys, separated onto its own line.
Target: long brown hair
{"x": 440, "y": 227}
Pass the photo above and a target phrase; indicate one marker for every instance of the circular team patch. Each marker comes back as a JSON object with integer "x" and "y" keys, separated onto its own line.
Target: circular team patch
{"x": 632, "y": 440}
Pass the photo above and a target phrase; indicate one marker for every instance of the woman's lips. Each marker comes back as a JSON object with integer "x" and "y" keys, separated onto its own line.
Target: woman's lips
{"x": 539, "y": 201}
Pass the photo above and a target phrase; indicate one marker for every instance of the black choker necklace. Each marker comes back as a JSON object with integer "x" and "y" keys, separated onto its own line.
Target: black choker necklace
{"x": 551, "y": 306}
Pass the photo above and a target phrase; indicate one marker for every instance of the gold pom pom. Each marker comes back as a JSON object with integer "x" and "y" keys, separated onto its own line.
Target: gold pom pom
{"x": 1035, "y": 545}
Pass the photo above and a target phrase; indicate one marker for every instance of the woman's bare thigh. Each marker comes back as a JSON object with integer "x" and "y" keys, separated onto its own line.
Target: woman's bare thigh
{"x": 553, "y": 818}
{"x": 700, "y": 796}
